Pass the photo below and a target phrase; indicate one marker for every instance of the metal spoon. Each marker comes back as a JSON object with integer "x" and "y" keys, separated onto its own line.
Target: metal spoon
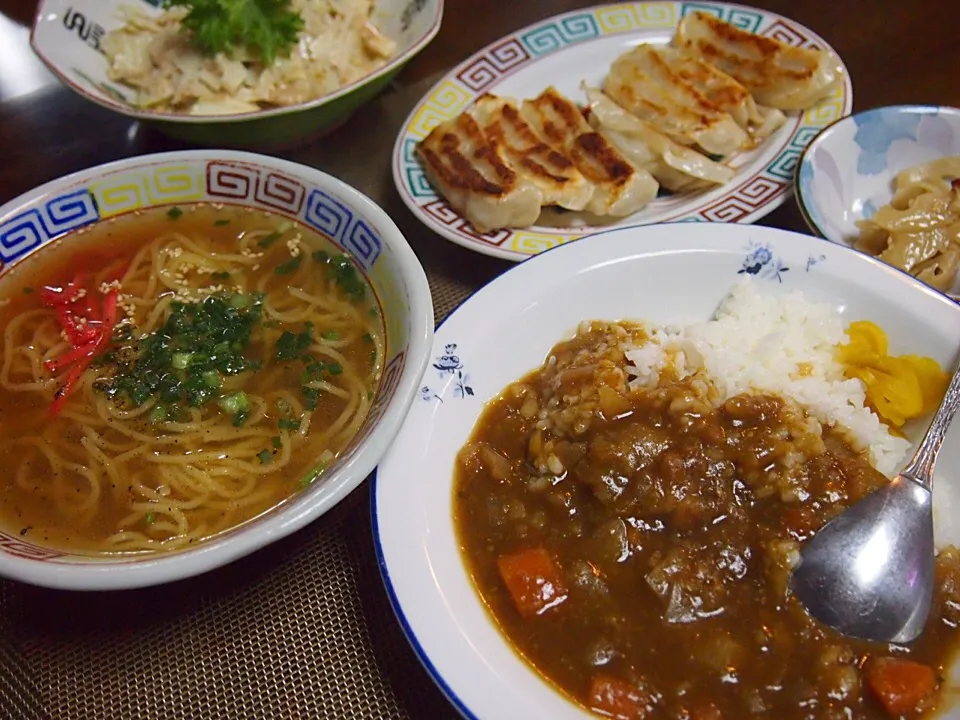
{"x": 869, "y": 572}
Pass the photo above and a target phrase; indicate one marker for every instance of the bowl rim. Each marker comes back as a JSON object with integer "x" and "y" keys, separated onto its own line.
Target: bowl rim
{"x": 97, "y": 573}
{"x": 824, "y": 135}
{"x": 395, "y": 63}
{"x": 400, "y": 609}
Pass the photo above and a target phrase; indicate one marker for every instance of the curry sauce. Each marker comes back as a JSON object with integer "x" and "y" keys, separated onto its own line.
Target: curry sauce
{"x": 635, "y": 545}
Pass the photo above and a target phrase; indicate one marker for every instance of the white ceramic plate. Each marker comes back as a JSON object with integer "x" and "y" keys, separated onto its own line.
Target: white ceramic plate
{"x": 567, "y": 49}
{"x": 662, "y": 273}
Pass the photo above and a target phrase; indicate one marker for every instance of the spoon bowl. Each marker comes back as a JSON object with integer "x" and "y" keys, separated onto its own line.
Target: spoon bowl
{"x": 869, "y": 571}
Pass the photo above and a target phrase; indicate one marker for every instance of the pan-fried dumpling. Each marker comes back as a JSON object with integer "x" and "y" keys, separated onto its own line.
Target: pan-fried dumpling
{"x": 724, "y": 92}
{"x": 554, "y": 174}
{"x": 674, "y": 166}
{"x": 620, "y": 189}
{"x": 643, "y": 82}
{"x": 776, "y": 74}
{"x": 473, "y": 176}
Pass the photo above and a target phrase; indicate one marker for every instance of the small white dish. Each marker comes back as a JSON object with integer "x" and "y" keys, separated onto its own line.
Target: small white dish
{"x": 349, "y": 219}
{"x": 847, "y": 172}
{"x": 579, "y": 46}
{"x": 660, "y": 273}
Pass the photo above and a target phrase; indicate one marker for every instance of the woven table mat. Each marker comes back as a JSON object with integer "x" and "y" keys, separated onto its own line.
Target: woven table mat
{"x": 301, "y": 629}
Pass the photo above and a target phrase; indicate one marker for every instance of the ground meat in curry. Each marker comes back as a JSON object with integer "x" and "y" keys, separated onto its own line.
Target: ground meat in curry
{"x": 635, "y": 544}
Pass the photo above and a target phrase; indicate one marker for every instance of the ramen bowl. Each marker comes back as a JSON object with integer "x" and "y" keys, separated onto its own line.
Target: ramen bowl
{"x": 848, "y": 171}
{"x": 67, "y": 35}
{"x": 661, "y": 274}
{"x": 57, "y": 216}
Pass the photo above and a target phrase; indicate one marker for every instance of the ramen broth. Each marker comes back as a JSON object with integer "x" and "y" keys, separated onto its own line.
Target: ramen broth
{"x": 234, "y": 354}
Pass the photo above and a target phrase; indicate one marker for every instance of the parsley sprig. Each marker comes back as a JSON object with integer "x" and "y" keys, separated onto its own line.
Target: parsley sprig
{"x": 267, "y": 28}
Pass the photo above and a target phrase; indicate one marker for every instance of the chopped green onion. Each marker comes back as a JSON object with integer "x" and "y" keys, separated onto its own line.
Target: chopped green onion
{"x": 181, "y": 361}
{"x": 331, "y": 335}
{"x": 320, "y": 256}
{"x": 284, "y": 407}
{"x": 289, "y": 267}
{"x": 347, "y": 278}
{"x": 291, "y": 345}
{"x": 264, "y": 456}
{"x": 239, "y": 301}
{"x": 367, "y": 337}
{"x": 157, "y": 414}
{"x": 222, "y": 275}
{"x": 310, "y": 397}
{"x": 288, "y": 424}
{"x": 270, "y": 239}
{"x": 276, "y": 442}
{"x": 373, "y": 312}
{"x": 151, "y": 518}
{"x": 240, "y": 418}
{"x": 334, "y": 368}
{"x": 234, "y": 402}
{"x": 309, "y": 480}
{"x": 220, "y": 223}
{"x": 174, "y": 213}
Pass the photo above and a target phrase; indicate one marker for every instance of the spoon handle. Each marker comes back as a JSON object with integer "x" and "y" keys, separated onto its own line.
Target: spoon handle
{"x": 920, "y": 469}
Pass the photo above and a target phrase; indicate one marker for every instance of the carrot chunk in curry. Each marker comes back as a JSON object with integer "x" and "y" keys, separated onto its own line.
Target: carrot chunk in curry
{"x": 619, "y": 699}
{"x": 901, "y": 685}
{"x": 534, "y": 581}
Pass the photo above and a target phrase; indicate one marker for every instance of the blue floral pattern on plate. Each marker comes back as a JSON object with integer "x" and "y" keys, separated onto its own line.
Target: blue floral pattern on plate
{"x": 447, "y": 365}
{"x": 760, "y": 262}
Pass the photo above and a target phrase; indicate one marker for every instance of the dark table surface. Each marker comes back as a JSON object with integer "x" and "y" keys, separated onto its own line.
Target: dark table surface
{"x": 184, "y": 650}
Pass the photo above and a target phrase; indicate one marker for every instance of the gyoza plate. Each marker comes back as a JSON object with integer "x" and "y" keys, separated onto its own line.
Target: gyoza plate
{"x": 580, "y": 46}
{"x": 661, "y": 274}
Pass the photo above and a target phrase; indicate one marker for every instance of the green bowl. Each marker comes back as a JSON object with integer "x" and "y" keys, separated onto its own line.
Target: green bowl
{"x": 66, "y": 36}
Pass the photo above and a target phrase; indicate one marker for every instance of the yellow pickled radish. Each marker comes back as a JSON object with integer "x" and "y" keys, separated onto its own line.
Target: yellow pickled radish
{"x": 897, "y": 397}
{"x": 871, "y": 334}
{"x": 933, "y": 380}
{"x": 898, "y": 388}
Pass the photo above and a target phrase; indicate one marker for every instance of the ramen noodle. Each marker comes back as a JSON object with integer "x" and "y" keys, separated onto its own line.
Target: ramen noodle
{"x": 170, "y": 375}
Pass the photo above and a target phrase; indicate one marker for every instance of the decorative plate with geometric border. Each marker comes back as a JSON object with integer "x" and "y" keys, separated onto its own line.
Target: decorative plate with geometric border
{"x": 351, "y": 222}
{"x": 579, "y": 46}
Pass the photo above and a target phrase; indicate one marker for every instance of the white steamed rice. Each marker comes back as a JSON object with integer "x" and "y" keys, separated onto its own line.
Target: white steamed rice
{"x": 757, "y": 342}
